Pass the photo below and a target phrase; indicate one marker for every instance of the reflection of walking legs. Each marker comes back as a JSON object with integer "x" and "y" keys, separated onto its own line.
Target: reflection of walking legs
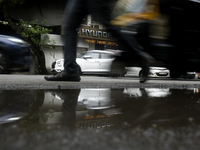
{"x": 70, "y": 98}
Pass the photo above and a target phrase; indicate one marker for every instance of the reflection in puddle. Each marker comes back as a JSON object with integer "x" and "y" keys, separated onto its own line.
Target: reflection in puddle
{"x": 15, "y": 105}
{"x": 151, "y": 92}
{"x": 101, "y": 108}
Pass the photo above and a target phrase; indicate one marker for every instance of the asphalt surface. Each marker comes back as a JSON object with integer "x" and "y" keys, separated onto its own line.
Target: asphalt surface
{"x": 123, "y": 137}
{"x": 38, "y": 82}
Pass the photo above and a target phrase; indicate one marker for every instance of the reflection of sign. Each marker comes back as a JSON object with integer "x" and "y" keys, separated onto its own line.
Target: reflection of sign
{"x": 97, "y": 116}
{"x": 95, "y": 124}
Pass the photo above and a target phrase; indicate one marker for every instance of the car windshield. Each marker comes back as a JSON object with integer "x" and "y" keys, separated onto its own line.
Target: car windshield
{"x": 80, "y": 55}
{"x": 93, "y": 55}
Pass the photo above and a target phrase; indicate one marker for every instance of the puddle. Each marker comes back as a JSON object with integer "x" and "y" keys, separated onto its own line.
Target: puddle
{"x": 101, "y": 108}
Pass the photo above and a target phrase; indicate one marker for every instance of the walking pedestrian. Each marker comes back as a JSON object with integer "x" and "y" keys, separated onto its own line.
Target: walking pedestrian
{"x": 75, "y": 11}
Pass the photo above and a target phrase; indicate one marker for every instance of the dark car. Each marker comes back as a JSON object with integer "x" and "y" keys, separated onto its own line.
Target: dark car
{"x": 14, "y": 53}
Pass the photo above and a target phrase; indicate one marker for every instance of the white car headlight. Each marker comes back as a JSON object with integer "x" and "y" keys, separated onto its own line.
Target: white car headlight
{"x": 59, "y": 63}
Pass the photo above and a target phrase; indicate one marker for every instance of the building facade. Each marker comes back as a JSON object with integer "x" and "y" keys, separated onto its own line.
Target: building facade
{"x": 91, "y": 36}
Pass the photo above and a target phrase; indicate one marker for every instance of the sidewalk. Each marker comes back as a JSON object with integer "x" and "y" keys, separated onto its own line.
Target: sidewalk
{"x": 38, "y": 82}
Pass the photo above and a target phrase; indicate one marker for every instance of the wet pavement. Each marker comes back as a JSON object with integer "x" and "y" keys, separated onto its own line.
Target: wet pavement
{"x": 15, "y": 82}
{"x": 100, "y": 118}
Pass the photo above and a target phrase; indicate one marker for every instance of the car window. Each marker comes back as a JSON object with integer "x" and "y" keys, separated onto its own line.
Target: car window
{"x": 81, "y": 55}
{"x": 106, "y": 56}
{"x": 93, "y": 55}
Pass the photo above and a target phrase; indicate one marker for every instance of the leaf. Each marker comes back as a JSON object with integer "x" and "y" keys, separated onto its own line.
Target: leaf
{"x": 34, "y": 30}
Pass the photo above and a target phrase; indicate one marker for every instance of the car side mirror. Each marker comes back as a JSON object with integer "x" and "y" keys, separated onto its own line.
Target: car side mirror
{"x": 87, "y": 57}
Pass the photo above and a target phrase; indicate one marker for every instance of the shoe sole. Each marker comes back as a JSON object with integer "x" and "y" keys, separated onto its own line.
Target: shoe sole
{"x": 73, "y": 79}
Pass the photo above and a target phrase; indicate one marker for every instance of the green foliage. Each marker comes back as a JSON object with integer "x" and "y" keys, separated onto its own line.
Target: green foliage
{"x": 11, "y": 2}
{"x": 35, "y": 33}
{"x": 44, "y": 115}
{"x": 34, "y": 30}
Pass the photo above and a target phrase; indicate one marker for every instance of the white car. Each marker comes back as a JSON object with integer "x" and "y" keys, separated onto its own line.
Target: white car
{"x": 90, "y": 62}
{"x": 153, "y": 72}
{"x": 190, "y": 75}
{"x": 99, "y": 62}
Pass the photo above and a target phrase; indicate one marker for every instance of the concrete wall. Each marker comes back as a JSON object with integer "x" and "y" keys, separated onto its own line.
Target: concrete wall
{"x": 57, "y": 53}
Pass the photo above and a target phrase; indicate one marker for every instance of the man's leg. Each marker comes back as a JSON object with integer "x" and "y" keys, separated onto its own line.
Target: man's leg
{"x": 102, "y": 10}
{"x": 76, "y": 10}
{"x": 134, "y": 54}
{"x": 74, "y": 13}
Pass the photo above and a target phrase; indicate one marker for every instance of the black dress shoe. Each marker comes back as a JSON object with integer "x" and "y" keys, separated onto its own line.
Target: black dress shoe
{"x": 64, "y": 76}
{"x": 145, "y": 74}
{"x": 143, "y": 79}
{"x": 146, "y": 62}
{"x": 118, "y": 67}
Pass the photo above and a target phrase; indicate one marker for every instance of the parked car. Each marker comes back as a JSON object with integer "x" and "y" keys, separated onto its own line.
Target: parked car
{"x": 14, "y": 54}
{"x": 99, "y": 62}
{"x": 190, "y": 75}
{"x": 153, "y": 72}
{"x": 90, "y": 62}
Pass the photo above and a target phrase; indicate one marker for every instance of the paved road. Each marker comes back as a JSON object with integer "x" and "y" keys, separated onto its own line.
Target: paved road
{"x": 38, "y": 82}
